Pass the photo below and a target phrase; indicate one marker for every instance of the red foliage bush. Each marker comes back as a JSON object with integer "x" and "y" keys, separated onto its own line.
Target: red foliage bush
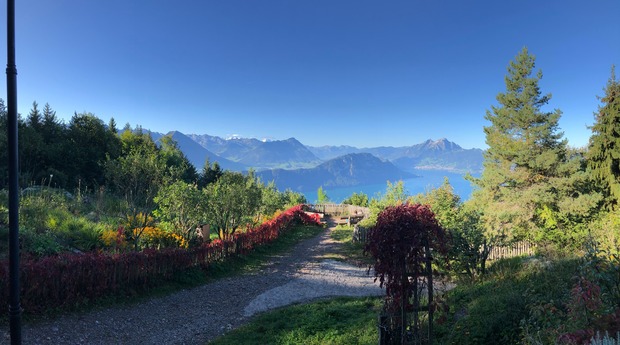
{"x": 397, "y": 242}
{"x": 68, "y": 279}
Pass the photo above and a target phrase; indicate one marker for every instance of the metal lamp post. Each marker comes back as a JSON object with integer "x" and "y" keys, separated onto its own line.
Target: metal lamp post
{"x": 11, "y": 82}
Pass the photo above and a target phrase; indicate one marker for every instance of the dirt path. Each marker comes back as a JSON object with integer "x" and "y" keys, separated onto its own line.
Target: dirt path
{"x": 201, "y": 314}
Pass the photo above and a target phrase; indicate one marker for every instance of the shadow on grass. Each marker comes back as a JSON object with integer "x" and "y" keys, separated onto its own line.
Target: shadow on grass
{"x": 342, "y": 320}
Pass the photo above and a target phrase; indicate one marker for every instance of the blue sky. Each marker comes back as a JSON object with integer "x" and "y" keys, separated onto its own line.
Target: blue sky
{"x": 337, "y": 72}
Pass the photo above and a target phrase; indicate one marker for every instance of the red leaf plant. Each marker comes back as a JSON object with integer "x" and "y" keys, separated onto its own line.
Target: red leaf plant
{"x": 69, "y": 279}
{"x": 397, "y": 243}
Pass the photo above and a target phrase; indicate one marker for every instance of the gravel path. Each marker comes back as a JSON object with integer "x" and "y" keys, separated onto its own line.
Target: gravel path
{"x": 201, "y": 314}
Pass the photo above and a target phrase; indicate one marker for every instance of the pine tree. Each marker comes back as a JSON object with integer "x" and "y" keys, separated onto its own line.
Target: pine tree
{"x": 34, "y": 117}
{"x": 604, "y": 147}
{"x": 525, "y": 152}
{"x": 31, "y": 147}
{"x": 49, "y": 115}
{"x": 210, "y": 173}
{"x": 112, "y": 126}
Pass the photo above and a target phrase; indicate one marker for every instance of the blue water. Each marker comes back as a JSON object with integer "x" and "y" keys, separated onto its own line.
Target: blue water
{"x": 429, "y": 179}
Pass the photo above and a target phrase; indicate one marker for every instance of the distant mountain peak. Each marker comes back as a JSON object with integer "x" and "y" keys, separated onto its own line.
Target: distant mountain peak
{"x": 442, "y": 144}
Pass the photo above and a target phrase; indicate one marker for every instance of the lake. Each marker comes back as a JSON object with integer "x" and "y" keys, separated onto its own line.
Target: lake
{"x": 429, "y": 179}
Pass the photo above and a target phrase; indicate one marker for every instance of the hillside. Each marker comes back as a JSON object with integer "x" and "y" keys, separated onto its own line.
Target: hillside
{"x": 260, "y": 155}
{"x": 348, "y": 170}
{"x": 198, "y": 154}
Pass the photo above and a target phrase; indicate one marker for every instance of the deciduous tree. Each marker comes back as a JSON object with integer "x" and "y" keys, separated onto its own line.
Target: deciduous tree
{"x": 178, "y": 165}
{"x": 357, "y": 199}
{"x": 234, "y": 202}
{"x": 136, "y": 175}
{"x": 321, "y": 196}
{"x": 469, "y": 247}
{"x": 183, "y": 206}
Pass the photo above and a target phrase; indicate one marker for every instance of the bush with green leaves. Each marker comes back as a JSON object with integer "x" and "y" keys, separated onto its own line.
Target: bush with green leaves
{"x": 395, "y": 194}
{"x": 181, "y": 206}
{"x": 357, "y": 199}
{"x": 469, "y": 248}
{"x": 234, "y": 202}
{"x": 519, "y": 301}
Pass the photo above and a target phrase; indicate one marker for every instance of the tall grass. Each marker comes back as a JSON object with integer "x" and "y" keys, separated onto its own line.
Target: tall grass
{"x": 507, "y": 306}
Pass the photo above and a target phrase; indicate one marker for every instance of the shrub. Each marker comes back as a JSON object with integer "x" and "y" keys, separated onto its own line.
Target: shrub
{"x": 68, "y": 279}
{"x": 398, "y": 241}
{"x": 520, "y": 300}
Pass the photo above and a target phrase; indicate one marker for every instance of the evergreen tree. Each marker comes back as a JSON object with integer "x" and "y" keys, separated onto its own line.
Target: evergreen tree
{"x": 179, "y": 166}
{"x": 31, "y": 147}
{"x": 89, "y": 145}
{"x": 604, "y": 147}
{"x": 525, "y": 152}
{"x": 34, "y": 117}
{"x": 51, "y": 129}
{"x": 112, "y": 126}
{"x": 49, "y": 115}
{"x": 54, "y": 134}
{"x": 210, "y": 173}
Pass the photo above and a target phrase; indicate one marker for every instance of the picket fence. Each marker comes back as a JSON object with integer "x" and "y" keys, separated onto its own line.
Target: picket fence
{"x": 339, "y": 210}
{"x": 68, "y": 279}
{"x": 360, "y": 235}
{"x": 517, "y": 249}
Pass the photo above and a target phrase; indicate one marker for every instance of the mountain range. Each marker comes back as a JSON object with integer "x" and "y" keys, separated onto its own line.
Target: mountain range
{"x": 349, "y": 170}
{"x": 439, "y": 154}
{"x": 293, "y": 165}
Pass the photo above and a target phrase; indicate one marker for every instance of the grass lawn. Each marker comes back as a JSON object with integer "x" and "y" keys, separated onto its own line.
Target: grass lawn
{"x": 348, "y": 251}
{"x": 342, "y": 320}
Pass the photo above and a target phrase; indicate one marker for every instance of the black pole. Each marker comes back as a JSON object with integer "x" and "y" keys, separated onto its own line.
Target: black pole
{"x": 11, "y": 83}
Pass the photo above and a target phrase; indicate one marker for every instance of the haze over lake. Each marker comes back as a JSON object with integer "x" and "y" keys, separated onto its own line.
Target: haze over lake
{"x": 428, "y": 180}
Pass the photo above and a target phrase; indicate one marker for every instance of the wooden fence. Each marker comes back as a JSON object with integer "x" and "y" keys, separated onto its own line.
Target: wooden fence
{"x": 517, "y": 249}
{"x": 360, "y": 234}
{"x": 339, "y": 210}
